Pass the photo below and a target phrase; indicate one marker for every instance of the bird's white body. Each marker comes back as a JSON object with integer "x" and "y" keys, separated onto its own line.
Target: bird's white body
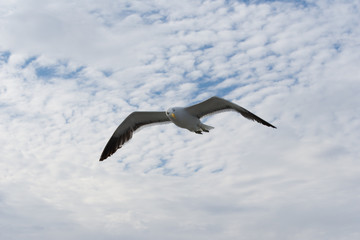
{"x": 182, "y": 118}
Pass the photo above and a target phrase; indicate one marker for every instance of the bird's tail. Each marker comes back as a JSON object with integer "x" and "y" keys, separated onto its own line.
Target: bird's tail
{"x": 205, "y": 128}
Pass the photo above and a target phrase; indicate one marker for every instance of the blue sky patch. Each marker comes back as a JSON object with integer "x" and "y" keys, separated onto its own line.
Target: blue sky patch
{"x": 48, "y": 72}
{"x": 28, "y": 61}
{"x": 4, "y": 56}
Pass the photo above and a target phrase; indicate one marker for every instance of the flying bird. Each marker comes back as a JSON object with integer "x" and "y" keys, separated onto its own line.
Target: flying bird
{"x": 184, "y": 117}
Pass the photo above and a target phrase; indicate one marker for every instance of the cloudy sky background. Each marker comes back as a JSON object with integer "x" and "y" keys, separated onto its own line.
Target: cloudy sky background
{"x": 71, "y": 71}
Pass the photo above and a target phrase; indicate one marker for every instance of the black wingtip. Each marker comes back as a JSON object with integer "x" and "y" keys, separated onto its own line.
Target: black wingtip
{"x": 272, "y": 126}
{"x": 268, "y": 124}
{"x": 253, "y": 117}
{"x": 110, "y": 148}
{"x": 103, "y": 157}
{"x": 106, "y": 154}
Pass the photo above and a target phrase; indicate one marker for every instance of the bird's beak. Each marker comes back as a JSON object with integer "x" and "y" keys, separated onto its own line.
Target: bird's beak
{"x": 173, "y": 115}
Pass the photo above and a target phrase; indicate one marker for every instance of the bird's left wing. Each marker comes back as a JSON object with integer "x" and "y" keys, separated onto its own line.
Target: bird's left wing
{"x": 126, "y": 129}
{"x": 216, "y": 104}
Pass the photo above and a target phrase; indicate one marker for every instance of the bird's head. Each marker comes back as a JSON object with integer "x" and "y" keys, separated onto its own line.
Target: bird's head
{"x": 171, "y": 113}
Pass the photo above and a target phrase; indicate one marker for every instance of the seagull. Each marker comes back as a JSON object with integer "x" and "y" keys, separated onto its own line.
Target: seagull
{"x": 183, "y": 117}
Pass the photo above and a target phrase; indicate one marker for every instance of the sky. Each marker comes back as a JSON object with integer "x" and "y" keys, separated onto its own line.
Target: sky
{"x": 71, "y": 71}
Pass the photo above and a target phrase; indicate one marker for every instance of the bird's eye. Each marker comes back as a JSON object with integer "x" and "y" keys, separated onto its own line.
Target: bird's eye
{"x": 173, "y": 110}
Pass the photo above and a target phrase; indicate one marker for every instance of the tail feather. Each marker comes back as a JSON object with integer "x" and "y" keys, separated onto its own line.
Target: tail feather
{"x": 205, "y": 128}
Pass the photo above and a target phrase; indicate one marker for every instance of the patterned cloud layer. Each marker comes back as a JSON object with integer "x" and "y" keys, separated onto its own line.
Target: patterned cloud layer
{"x": 70, "y": 72}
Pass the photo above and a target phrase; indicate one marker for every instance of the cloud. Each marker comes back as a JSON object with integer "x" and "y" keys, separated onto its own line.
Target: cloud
{"x": 71, "y": 72}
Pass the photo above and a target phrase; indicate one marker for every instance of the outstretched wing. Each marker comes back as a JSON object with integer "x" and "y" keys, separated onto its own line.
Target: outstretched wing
{"x": 216, "y": 104}
{"x": 126, "y": 129}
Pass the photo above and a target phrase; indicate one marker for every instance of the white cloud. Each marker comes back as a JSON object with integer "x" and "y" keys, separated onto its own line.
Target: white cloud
{"x": 71, "y": 72}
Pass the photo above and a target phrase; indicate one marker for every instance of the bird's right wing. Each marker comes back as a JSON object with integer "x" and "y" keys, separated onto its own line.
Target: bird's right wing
{"x": 126, "y": 129}
{"x": 216, "y": 104}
